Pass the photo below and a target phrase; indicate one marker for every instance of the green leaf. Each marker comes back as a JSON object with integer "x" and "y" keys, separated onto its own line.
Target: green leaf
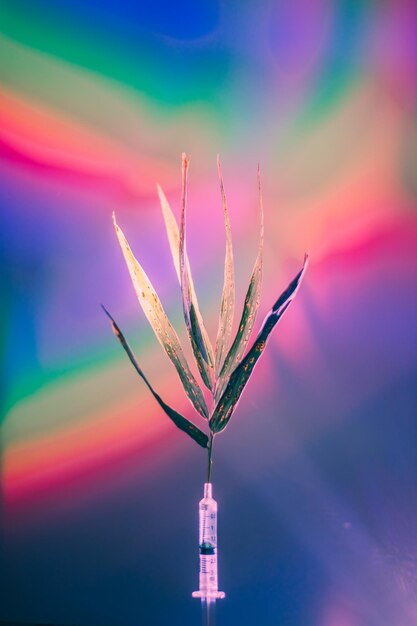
{"x": 165, "y": 333}
{"x": 174, "y": 244}
{"x": 250, "y": 309}
{"x": 190, "y": 313}
{"x": 179, "y": 420}
{"x": 240, "y": 376}
{"x": 228, "y": 297}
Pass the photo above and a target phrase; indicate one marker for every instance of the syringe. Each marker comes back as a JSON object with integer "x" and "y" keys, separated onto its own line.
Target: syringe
{"x": 208, "y": 547}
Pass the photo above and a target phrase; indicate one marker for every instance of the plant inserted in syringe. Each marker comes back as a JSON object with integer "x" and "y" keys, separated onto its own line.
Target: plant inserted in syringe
{"x": 224, "y": 370}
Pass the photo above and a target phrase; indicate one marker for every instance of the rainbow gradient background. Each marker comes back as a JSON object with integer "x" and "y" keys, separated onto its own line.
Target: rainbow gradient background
{"x": 316, "y": 475}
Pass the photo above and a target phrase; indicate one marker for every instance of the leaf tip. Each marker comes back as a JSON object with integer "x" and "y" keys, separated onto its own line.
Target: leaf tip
{"x": 161, "y": 195}
{"x": 104, "y": 309}
{"x": 261, "y": 209}
{"x": 115, "y": 327}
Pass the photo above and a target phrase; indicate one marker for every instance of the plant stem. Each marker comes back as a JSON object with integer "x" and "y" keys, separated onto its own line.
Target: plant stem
{"x": 210, "y": 451}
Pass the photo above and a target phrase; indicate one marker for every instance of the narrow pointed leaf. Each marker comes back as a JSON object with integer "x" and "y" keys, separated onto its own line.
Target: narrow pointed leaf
{"x": 190, "y": 313}
{"x": 250, "y": 310}
{"x": 179, "y": 420}
{"x": 240, "y": 376}
{"x": 174, "y": 244}
{"x": 228, "y": 297}
{"x": 165, "y": 333}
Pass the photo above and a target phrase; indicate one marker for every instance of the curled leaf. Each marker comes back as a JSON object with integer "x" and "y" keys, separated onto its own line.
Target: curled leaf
{"x": 240, "y": 376}
{"x": 250, "y": 309}
{"x": 228, "y": 295}
{"x": 179, "y": 420}
{"x": 165, "y": 333}
{"x": 174, "y": 244}
{"x": 190, "y": 314}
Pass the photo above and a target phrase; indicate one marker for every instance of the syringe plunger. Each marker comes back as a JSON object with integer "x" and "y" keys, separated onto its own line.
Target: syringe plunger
{"x": 208, "y": 547}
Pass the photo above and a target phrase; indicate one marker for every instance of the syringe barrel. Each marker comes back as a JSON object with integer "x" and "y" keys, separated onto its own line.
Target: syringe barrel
{"x": 208, "y": 546}
{"x": 208, "y": 541}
